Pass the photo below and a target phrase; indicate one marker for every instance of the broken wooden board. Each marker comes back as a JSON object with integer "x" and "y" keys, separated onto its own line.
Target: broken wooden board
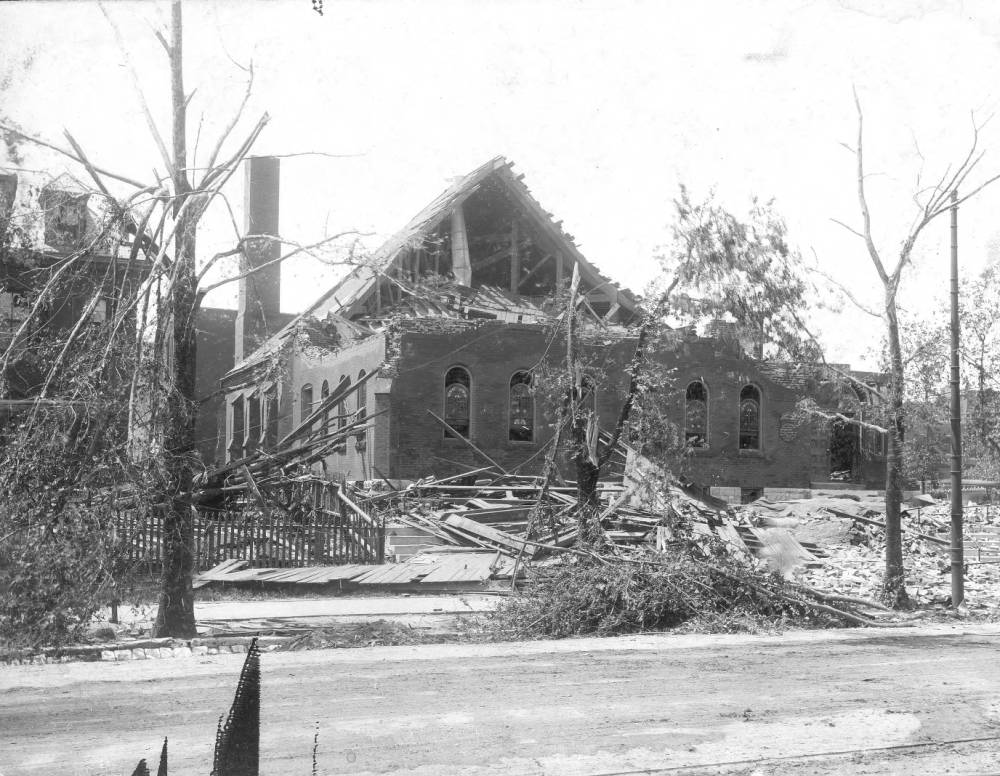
{"x": 501, "y": 539}
{"x": 218, "y": 573}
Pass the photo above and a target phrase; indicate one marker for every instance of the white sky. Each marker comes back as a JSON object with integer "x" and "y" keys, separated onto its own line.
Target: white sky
{"x": 605, "y": 106}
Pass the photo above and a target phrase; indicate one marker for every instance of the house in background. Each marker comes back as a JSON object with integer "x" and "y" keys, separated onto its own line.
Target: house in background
{"x": 450, "y": 321}
{"x": 50, "y": 225}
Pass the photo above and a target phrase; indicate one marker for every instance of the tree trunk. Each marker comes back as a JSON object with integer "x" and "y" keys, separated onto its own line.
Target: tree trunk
{"x": 588, "y": 473}
{"x": 894, "y": 584}
{"x": 175, "y": 616}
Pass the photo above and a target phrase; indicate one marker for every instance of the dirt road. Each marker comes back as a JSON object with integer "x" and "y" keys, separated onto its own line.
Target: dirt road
{"x": 855, "y": 702}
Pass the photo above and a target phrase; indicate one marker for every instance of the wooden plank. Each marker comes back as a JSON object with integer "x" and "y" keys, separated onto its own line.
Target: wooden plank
{"x": 461, "y": 567}
{"x": 217, "y": 574}
{"x": 489, "y": 534}
{"x": 400, "y": 573}
{"x": 348, "y": 572}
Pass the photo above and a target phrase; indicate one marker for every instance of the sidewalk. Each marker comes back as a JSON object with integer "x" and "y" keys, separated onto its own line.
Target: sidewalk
{"x": 343, "y": 609}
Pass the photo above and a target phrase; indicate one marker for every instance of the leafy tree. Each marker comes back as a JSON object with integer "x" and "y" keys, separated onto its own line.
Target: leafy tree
{"x": 715, "y": 265}
{"x": 927, "y": 448}
{"x": 980, "y": 311}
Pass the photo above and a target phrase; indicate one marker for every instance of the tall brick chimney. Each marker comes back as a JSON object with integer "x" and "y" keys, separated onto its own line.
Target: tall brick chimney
{"x": 260, "y": 294}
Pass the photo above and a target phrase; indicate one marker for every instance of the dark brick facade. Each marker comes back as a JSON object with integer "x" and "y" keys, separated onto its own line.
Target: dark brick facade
{"x": 408, "y": 443}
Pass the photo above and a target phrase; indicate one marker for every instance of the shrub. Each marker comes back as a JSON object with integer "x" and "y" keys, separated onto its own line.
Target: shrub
{"x": 53, "y": 578}
{"x": 606, "y": 596}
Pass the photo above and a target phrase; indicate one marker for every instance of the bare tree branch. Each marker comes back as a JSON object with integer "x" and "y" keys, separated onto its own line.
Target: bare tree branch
{"x": 232, "y": 124}
{"x": 239, "y": 249}
{"x": 150, "y": 122}
{"x": 862, "y": 198}
{"x": 844, "y": 290}
{"x": 71, "y": 155}
{"x": 86, "y": 163}
{"x": 850, "y": 229}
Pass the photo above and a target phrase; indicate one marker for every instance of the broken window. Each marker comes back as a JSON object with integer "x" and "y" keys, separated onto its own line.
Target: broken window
{"x": 522, "y": 409}
{"x": 696, "y": 415}
{"x": 271, "y": 421}
{"x": 255, "y": 423}
{"x": 305, "y": 402}
{"x": 65, "y": 218}
{"x": 457, "y": 389}
{"x": 749, "y": 418}
{"x": 238, "y": 429}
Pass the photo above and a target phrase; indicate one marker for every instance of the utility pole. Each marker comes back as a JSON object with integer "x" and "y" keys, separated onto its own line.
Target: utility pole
{"x": 956, "y": 550}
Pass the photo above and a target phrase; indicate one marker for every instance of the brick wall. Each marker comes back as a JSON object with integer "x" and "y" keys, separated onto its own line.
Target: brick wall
{"x": 492, "y": 352}
{"x": 408, "y": 443}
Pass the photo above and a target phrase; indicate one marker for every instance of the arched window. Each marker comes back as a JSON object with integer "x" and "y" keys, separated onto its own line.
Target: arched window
{"x": 696, "y": 414}
{"x": 305, "y": 402}
{"x": 344, "y": 384}
{"x": 362, "y": 397}
{"x": 457, "y": 390}
{"x": 749, "y": 418}
{"x": 255, "y": 423}
{"x": 238, "y": 429}
{"x": 362, "y": 403}
{"x": 271, "y": 421}
{"x": 324, "y": 393}
{"x": 522, "y": 409}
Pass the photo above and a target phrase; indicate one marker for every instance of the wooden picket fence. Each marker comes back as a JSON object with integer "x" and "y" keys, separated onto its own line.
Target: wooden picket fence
{"x": 327, "y": 528}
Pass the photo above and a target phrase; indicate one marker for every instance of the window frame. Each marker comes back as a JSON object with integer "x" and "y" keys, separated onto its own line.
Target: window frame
{"x": 237, "y": 440}
{"x": 302, "y": 402}
{"x": 270, "y": 410}
{"x": 511, "y": 384}
{"x": 324, "y": 394}
{"x": 759, "y": 400}
{"x": 705, "y": 440}
{"x": 361, "y": 402}
{"x": 467, "y": 385}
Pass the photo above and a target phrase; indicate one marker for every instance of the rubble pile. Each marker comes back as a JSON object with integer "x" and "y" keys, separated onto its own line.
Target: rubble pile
{"x": 849, "y": 535}
{"x": 518, "y": 516}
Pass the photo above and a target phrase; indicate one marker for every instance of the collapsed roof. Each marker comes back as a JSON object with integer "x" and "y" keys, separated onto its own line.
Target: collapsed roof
{"x": 511, "y": 256}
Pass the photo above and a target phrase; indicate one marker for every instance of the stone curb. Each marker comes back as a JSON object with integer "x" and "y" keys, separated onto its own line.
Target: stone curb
{"x": 143, "y": 649}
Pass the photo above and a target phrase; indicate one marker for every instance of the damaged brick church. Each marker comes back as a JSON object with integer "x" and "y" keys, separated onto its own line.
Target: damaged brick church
{"x": 435, "y": 341}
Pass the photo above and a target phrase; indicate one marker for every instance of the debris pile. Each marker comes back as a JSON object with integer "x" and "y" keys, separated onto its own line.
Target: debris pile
{"x": 852, "y": 537}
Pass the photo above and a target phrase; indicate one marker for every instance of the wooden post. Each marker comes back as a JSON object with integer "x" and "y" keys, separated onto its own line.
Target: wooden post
{"x": 515, "y": 259}
{"x": 460, "y": 262}
{"x": 956, "y": 550}
{"x": 559, "y": 269}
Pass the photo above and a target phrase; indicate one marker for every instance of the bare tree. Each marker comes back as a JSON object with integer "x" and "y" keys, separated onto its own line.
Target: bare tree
{"x": 931, "y": 202}
{"x": 162, "y": 217}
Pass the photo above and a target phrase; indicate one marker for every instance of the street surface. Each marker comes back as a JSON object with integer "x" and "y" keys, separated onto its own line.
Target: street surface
{"x": 907, "y": 701}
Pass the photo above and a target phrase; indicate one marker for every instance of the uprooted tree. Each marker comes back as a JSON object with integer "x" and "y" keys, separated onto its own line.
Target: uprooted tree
{"x": 955, "y": 186}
